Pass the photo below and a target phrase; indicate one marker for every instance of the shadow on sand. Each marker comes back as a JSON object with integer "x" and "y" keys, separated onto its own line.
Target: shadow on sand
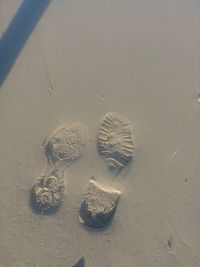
{"x": 80, "y": 263}
{"x": 18, "y": 32}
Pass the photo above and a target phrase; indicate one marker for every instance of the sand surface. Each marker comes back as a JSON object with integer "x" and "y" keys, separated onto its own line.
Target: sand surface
{"x": 83, "y": 59}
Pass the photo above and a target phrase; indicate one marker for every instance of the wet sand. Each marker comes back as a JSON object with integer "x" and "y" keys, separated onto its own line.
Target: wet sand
{"x": 82, "y": 60}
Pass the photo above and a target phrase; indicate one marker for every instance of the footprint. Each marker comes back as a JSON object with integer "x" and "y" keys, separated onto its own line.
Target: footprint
{"x": 48, "y": 191}
{"x": 98, "y": 205}
{"x": 115, "y": 141}
{"x": 63, "y": 147}
{"x": 115, "y": 144}
{"x": 66, "y": 144}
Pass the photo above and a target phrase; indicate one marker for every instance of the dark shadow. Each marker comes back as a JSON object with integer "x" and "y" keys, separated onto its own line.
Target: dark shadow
{"x": 80, "y": 263}
{"x": 99, "y": 224}
{"x": 97, "y": 230}
{"x": 18, "y": 32}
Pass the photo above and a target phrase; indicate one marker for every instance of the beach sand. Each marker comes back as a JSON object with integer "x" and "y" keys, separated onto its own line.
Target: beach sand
{"x": 82, "y": 60}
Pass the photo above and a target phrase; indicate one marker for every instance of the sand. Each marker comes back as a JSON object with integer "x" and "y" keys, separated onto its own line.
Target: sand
{"x": 82, "y": 60}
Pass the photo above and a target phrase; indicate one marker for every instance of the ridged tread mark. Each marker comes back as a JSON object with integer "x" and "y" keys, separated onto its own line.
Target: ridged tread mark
{"x": 115, "y": 140}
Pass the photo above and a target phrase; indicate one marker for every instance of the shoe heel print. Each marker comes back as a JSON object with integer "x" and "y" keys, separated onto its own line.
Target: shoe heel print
{"x": 98, "y": 205}
{"x": 48, "y": 191}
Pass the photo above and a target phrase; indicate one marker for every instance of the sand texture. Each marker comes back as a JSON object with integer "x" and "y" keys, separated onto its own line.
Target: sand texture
{"x": 83, "y": 59}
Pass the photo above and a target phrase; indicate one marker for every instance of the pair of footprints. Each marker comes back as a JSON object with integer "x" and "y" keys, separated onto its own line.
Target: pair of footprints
{"x": 66, "y": 144}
